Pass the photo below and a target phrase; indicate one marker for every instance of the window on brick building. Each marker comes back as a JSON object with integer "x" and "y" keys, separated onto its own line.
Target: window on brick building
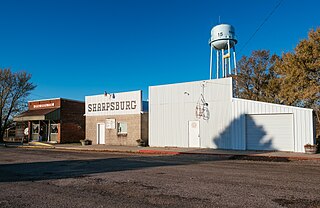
{"x": 122, "y": 128}
{"x": 54, "y": 128}
{"x": 35, "y": 128}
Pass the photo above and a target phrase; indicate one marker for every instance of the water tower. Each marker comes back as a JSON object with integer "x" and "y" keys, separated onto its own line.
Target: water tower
{"x": 223, "y": 39}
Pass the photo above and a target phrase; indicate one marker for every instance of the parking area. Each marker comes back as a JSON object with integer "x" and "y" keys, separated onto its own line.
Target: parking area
{"x": 55, "y": 178}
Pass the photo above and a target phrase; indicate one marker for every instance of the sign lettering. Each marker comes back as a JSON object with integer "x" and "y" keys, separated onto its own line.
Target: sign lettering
{"x": 112, "y": 106}
{"x": 122, "y": 103}
{"x": 43, "y": 105}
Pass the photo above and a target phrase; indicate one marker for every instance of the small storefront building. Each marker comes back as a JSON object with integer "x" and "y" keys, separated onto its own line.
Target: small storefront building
{"x": 56, "y": 120}
{"x": 117, "y": 118}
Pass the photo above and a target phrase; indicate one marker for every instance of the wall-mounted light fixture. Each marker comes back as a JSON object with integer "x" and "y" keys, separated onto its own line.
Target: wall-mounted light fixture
{"x": 110, "y": 95}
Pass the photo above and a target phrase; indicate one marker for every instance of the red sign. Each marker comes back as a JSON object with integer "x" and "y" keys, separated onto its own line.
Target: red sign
{"x": 43, "y": 105}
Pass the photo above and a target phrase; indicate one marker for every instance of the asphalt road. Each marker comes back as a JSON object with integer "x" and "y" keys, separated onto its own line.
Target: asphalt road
{"x": 50, "y": 178}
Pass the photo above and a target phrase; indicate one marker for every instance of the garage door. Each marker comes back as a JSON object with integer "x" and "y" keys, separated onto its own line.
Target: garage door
{"x": 270, "y": 132}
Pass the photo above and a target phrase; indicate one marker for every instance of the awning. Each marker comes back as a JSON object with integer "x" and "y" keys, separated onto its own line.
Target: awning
{"x": 39, "y": 115}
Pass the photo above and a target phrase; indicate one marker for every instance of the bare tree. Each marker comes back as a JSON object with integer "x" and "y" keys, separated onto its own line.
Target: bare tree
{"x": 14, "y": 89}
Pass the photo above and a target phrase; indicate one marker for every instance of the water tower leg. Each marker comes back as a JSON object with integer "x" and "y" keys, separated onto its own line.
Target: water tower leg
{"x": 211, "y": 62}
{"x": 229, "y": 58}
{"x": 218, "y": 62}
{"x": 235, "y": 60}
{"x": 225, "y": 68}
{"x": 223, "y": 64}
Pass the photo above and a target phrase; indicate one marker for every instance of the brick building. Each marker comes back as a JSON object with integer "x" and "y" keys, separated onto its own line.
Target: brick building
{"x": 117, "y": 118}
{"x": 54, "y": 120}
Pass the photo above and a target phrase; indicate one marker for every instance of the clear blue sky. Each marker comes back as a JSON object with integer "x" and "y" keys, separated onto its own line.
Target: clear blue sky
{"x": 75, "y": 48}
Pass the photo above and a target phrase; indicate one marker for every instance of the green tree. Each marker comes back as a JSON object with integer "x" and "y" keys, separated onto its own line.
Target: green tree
{"x": 256, "y": 78}
{"x": 299, "y": 75}
{"x": 14, "y": 89}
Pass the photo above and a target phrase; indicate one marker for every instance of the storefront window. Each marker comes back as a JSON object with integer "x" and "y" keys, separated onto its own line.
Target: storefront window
{"x": 35, "y": 128}
{"x": 122, "y": 128}
{"x": 54, "y": 128}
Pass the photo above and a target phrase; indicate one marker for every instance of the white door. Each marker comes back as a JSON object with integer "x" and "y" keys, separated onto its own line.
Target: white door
{"x": 194, "y": 133}
{"x": 100, "y": 133}
{"x": 270, "y": 132}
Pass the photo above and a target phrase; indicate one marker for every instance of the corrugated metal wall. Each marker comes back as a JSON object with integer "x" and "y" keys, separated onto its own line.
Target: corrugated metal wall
{"x": 172, "y": 106}
{"x": 302, "y": 121}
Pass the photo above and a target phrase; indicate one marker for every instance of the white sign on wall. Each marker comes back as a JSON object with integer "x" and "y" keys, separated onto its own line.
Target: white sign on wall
{"x": 114, "y": 104}
{"x": 110, "y": 123}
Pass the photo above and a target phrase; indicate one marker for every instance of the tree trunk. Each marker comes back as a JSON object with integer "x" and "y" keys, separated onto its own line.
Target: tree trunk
{"x": 1, "y": 135}
{"x": 317, "y": 113}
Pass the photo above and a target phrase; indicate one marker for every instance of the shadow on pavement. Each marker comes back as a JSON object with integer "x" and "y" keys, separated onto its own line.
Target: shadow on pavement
{"x": 78, "y": 168}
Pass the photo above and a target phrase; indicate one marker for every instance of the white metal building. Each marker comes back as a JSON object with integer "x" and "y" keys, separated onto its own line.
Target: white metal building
{"x": 227, "y": 122}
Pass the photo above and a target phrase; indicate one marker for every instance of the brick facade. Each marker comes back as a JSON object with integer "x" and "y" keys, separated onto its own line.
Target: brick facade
{"x": 137, "y": 125}
{"x": 67, "y": 114}
{"x": 144, "y": 127}
{"x": 72, "y": 121}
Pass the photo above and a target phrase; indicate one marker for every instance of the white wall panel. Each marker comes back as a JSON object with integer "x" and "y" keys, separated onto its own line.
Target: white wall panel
{"x": 181, "y": 100}
{"x": 270, "y": 132}
{"x": 302, "y": 120}
{"x": 172, "y": 106}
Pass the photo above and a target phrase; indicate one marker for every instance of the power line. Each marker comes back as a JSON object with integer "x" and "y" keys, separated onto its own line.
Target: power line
{"x": 39, "y": 96}
{"x": 260, "y": 26}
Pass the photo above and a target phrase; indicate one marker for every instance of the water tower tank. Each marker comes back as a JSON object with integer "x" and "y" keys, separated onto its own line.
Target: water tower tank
{"x": 220, "y": 35}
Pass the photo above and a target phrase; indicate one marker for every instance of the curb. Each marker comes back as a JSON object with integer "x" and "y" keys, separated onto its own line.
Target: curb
{"x": 40, "y": 144}
{"x": 35, "y": 147}
{"x": 159, "y": 152}
{"x": 95, "y": 150}
{"x": 164, "y": 152}
{"x": 272, "y": 158}
{"x": 235, "y": 156}
{"x": 253, "y": 157}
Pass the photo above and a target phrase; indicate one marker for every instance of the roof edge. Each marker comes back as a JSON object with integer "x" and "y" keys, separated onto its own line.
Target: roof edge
{"x": 56, "y": 99}
{"x": 190, "y": 82}
{"x": 279, "y": 105}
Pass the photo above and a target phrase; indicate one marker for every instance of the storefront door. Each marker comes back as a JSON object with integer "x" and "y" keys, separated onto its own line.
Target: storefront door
{"x": 35, "y": 131}
{"x": 101, "y": 133}
{"x": 54, "y": 130}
